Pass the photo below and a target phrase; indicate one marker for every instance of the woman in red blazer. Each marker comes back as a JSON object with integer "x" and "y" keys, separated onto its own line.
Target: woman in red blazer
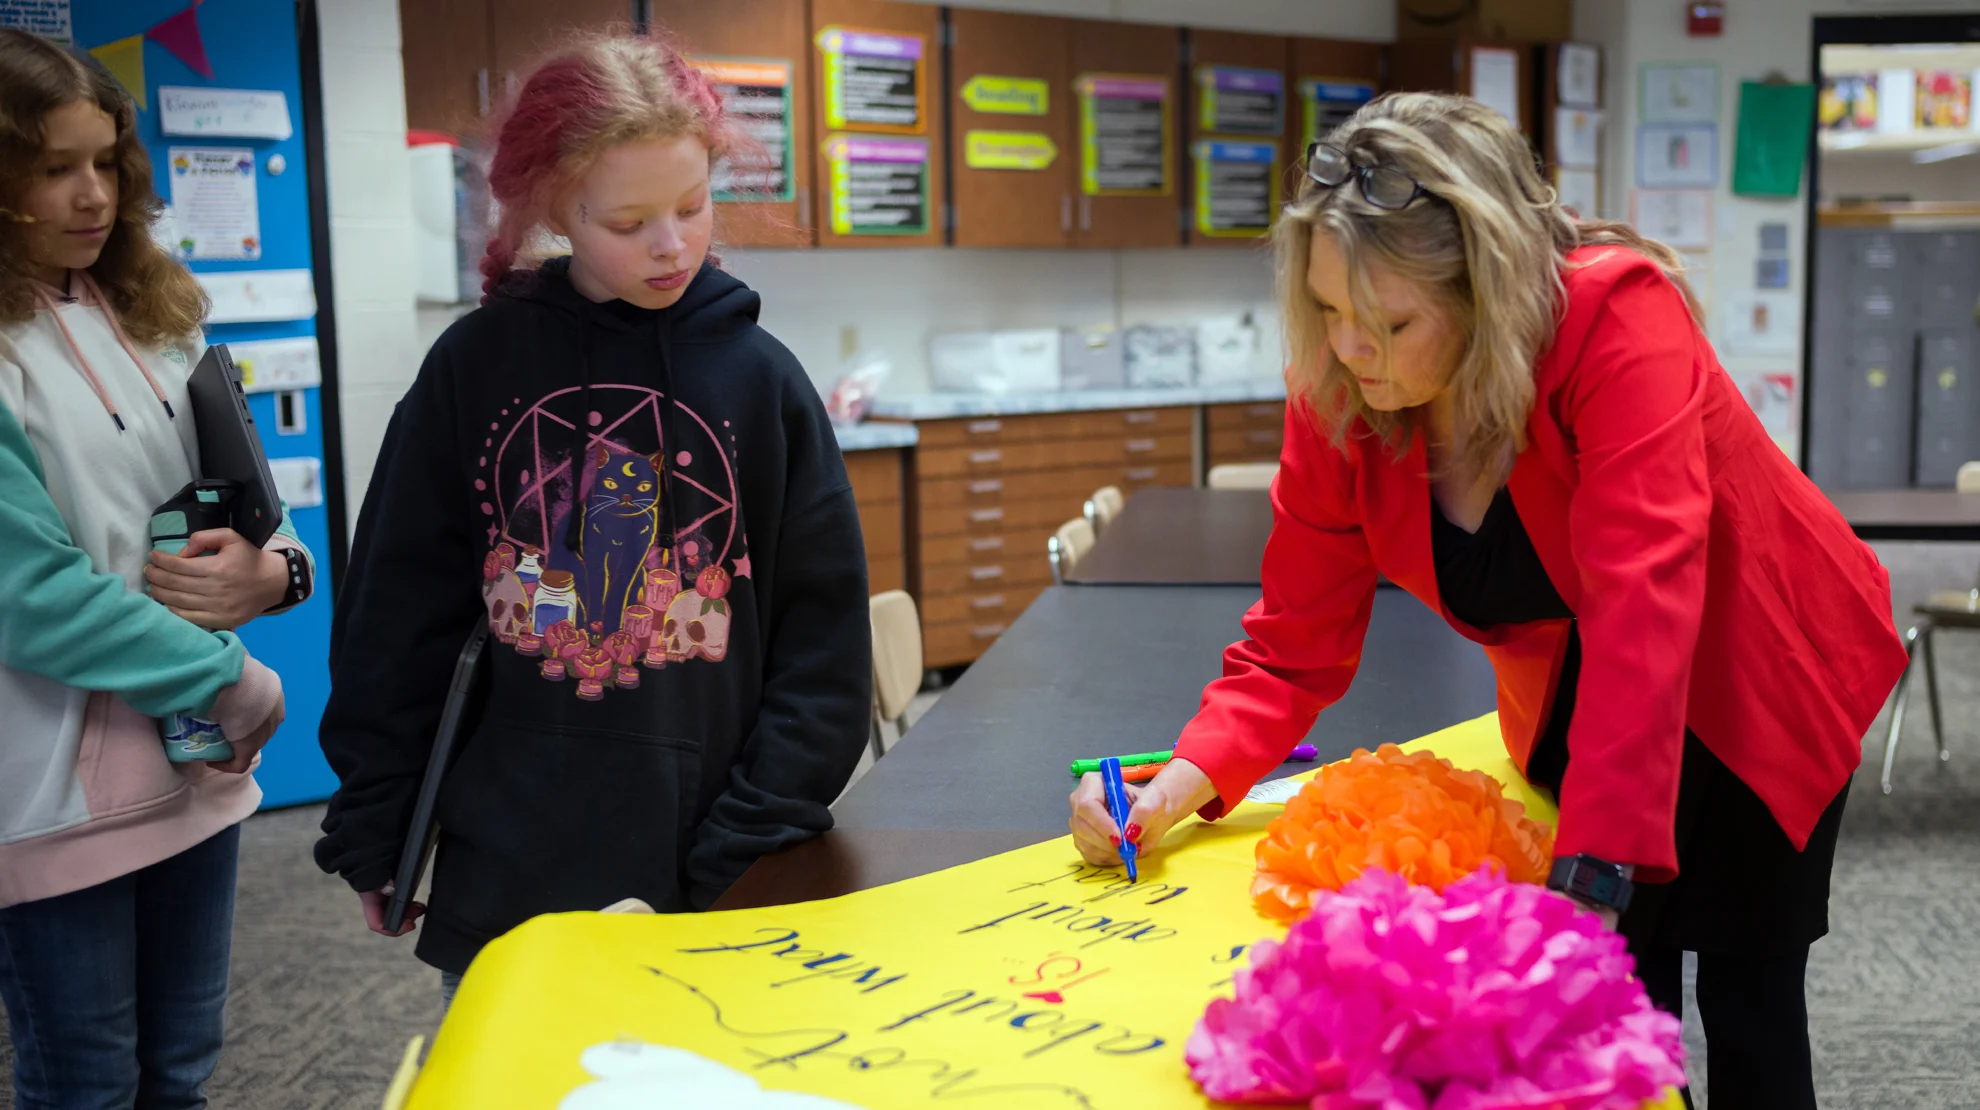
{"x": 1515, "y": 417}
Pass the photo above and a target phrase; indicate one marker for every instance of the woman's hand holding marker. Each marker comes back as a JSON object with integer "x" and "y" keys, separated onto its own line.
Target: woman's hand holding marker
{"x": 1181, "y": 789}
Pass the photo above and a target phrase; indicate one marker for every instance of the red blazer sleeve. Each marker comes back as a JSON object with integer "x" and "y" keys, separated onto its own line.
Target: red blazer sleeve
{"x": 1631, "y": 407}
{"x": 1305, "y": 632}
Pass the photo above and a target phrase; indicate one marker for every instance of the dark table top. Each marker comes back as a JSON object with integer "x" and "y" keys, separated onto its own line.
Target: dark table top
{"x": 1087, "y": 673}
{"x": 1910, "y": 514}
{"x": 1175, "y": 535}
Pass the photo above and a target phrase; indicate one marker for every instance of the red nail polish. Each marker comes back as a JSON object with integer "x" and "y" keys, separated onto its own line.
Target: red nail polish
{"x": 1116, "y": 840}
{"x": 1133, "y": 833}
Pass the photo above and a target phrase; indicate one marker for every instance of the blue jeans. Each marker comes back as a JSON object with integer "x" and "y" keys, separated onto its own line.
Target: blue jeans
{"x": 115, "y": 993}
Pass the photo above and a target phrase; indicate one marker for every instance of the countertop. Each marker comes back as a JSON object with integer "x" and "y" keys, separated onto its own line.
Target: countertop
{"x": 873, "y": 437}
{"x": 949, "y": 406}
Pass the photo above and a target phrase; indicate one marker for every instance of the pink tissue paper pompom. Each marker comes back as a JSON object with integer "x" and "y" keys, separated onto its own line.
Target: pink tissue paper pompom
{"x": 1493, "y": 995}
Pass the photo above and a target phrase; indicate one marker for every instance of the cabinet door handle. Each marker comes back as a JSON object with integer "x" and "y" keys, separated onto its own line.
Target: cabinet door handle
{"x": 985, "y": 427}
{"x": 1141, "y": 474}
{"x": 1263, "y": 410}
{"x": 1085, "y": 212}
{"x": 985, "y": 516}
{"x": 481, "y": 89}
{"x": 1065, "y": 213}
{"x": 988, "y": 543}
{"x": 989, "y": 601}
{"x": 983, "y": 458}
{"x": 987, "y": 631}
{"x": 992, "y": 485}
{"x": 985, "y": 574}
{"x": 1263, "y": 437}
{"x": 1139, "y": 446}
{"x": 1139, "y": 417}
{"x": 804, "y": 208}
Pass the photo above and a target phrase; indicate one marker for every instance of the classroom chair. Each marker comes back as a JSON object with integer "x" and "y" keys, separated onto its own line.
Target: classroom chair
{"x": 1945, "y": 609}
{"x": 1243, "y": 475}
{"x": 1968, "y": 480}
{"x": 896, "y": 663}
{"x": 1105, "y": 504}
{"x": 1067, "y": 547}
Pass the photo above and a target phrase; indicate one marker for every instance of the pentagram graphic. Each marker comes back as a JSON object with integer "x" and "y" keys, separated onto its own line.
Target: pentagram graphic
{"x": 610, "y": 549}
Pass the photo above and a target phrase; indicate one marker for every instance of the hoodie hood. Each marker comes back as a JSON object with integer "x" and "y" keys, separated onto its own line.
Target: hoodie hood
{"x": 714, "y": 305}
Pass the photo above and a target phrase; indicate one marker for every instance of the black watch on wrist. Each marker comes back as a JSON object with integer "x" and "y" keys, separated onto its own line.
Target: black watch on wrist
{"x": 1592, "y": 880}
{"x": 297, "y": 590}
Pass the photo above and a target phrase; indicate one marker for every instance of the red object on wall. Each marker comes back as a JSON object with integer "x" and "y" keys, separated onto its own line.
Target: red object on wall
{"x": 1704, "y": 18}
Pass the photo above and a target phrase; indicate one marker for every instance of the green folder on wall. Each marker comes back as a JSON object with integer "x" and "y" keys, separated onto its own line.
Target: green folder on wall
{"x": 1775, "y": 121}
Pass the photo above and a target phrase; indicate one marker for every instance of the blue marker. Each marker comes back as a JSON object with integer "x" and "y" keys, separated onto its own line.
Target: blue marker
{"x": 1117, "y": 805}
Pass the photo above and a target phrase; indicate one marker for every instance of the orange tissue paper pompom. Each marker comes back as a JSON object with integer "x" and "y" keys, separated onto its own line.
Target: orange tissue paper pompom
{"x": 1414, "y": 815}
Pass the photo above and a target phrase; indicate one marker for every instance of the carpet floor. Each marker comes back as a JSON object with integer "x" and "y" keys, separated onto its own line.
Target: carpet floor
{"x": 322, "y": 1009}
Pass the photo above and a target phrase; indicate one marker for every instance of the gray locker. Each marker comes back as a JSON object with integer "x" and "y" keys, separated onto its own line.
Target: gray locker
{"x": 1948, "y": 403}
{"x": 1881, "y": 280}
{"x": 1948, "y": 264}
{"x": 1877, "y": 400}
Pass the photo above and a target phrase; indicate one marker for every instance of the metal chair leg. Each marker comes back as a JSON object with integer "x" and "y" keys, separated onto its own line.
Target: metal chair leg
{"x": 1932, "y": 691}
{"x": 874, "y": 740}
{"x": 1897, "y": 709}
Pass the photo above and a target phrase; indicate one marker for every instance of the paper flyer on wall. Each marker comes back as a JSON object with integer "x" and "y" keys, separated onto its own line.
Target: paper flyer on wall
{"x": 214, "y": 204}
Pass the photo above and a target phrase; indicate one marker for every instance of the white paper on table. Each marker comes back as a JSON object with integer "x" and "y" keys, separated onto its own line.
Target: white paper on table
{"x": 1677, "y": 156}
{"x": 214, "y": 206}
{"x": 1680, "y": 218}
{"x": 1577, "y": 137}
{"x": 248, "y": 296}
{"x": 298, "y": 481}
{"x": 1275, "y": 793}
{"x": 1579, "y": 190}
{"x": 1495, "y": 81}
{"x": 1761, "y": 324}
{"x": 47, "y": 18}
{"x": 234, "y": 113}
{"x": 1579, "y": 76}
{"x": 1686, "y": 93}
{"x": 267, "y": 365}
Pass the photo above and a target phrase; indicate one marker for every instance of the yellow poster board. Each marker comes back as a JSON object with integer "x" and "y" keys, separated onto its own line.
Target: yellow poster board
{"x": 1030, "y": 979}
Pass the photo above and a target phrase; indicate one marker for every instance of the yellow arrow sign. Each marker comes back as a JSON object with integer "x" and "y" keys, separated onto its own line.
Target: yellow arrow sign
{"x": 1008, "y": 150}
{"x": 1009, "y": 96}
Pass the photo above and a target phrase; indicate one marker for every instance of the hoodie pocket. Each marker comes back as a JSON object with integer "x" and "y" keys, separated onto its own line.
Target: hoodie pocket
{"x": 541, "y": 818}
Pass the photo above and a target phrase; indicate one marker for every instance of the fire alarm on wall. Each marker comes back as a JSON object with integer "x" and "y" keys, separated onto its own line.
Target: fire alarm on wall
{"x": 1704, "y": 18}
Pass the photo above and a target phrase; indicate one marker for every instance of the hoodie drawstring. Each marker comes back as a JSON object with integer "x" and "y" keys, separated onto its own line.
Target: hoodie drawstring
{"x": 82, "y": 361}
{"x": 669, "y": 449}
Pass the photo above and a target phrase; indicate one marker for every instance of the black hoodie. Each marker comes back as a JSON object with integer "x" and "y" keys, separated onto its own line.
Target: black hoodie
{"x": 661, "y": 714}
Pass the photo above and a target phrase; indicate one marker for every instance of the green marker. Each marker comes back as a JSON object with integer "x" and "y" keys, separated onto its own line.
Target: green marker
{"x": 1304, "y": 753}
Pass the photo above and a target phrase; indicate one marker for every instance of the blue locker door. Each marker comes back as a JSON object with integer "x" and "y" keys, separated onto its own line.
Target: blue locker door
{"x": 252, "y": 44}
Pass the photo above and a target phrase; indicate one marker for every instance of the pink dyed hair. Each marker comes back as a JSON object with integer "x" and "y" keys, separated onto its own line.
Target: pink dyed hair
{"x": 601, "y": 91}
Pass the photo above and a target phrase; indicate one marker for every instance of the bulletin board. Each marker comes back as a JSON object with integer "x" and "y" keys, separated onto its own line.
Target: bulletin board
{"x": 253, "y": 45}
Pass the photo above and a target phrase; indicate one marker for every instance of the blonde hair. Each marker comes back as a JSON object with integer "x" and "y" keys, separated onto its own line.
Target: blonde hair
{"x": 1490, "y": 245}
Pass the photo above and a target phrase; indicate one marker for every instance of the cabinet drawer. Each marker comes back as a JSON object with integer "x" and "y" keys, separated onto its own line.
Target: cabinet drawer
{"x": 882, "y": 527}
{"x": 1252, "y": 443}
{"x": 1012, "y": 571}
{"x": 996, "y": 607}
{"x": 949, "y": 462}
{"x": 987, "y": 545}
{"x": 1000, "y": 521}
{"x": 946, "y": 645}
{"x": 1131, "y": 422}
{"x": 945, "y": 493}
{"x": 994, "y": 431}
{"x": 875, "y": 475}
{"x": 1255, "y": 415}
{"x": 885, "y": 572}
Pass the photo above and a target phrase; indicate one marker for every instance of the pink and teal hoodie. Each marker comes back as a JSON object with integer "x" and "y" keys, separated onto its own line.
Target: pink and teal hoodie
{"x": 95, "y": 432}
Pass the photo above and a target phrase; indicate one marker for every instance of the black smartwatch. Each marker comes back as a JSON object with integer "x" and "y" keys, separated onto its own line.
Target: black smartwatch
{"x": 299, "y": 583}
{"x": 1595, "y": 881}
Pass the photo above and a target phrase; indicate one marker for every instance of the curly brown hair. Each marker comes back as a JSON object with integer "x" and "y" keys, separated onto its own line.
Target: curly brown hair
{"x": 156, "y": 297}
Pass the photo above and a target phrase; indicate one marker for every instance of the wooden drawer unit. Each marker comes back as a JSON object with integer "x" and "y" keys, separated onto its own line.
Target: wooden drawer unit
{"x": 948, "y": 462}
{"x": 1001, "y": 605}
{"x": 876, "y": 478}
{"x": 992, "y": 431}
{"x": 977, "y": 547}
{"x": 1245, "y": 433}
{"x": 958, "y": 642}
{"x": 1008, "y": 571}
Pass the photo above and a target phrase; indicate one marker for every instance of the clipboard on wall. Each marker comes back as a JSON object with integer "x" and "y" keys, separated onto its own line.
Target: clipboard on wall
{"x": 464, "y": 696}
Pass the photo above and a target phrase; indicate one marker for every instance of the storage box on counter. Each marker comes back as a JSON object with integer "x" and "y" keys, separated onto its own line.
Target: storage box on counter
{"x": 1226, "y": 349}
{"x": 1091, "y": 358}
{"x": 1160, "y": 356}
{"x": 1024, "y": 361}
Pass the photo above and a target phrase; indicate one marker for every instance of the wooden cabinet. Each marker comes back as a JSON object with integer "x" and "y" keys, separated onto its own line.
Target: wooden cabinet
{"x": 462, "y": 58}
{"x": 877, "y": 489}
{"x": 1244, "y": 433}
{"x": 1445, "y": 65}
{"x": 1011, "y": 146}
{"x": 1239, "y": 101}
{"x": 759, "y": 54}
{"x": 1132, "y": 195}
{"x": 1327, "y": 76}
{"x": 990, "y": 491}
{"x": 877, "y": 123}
